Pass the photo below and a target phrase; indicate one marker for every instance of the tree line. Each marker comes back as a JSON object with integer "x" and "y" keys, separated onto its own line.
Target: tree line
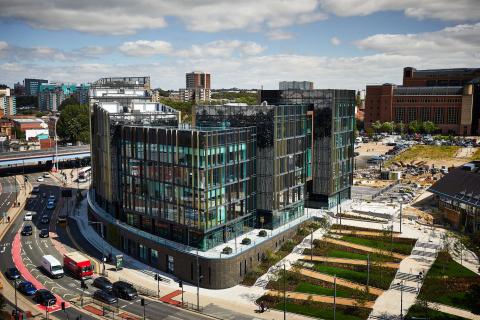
{"x": 413, "y": 127}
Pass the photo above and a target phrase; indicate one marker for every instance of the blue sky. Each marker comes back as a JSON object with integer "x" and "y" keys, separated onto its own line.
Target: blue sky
{"x": 243, "y": 43}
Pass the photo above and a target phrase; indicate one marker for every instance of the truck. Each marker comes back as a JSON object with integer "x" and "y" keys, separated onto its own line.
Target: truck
{"x": 52, "y": 266}
{"x": 79, "y": 265}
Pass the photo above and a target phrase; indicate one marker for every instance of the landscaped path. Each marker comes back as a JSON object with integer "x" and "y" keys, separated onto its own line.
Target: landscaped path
{"x": 319, "y": 298}
{"x": 365, "y": 248}
{"x": 363, "y": 233}
{"x": 393, "y": 265}
{"x": 340, "y": 281}
{"x": 454, "y": 311}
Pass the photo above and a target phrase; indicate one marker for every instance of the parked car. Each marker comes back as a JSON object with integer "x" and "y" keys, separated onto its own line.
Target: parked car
{"x": 27, "y": 288}
{"x": 27, "y": 230}
{"x": 45, "y": 297}
{"x": 43, "y": 233}
{"x": 50, "y": 205}
{"x": 46, "y": 175}
{"x": 36, "y": 189}
{"x": 102, "y": 283}
{"x": 105, "y": 297}
{"x": 124, "y": 290}
{"x": 12, "y": 273}
{"x": 45, "y": 219}
{"x": 51, "y": 198}
{"x": 40, "y": 179}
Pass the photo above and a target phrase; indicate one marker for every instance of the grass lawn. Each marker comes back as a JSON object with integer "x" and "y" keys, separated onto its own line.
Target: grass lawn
{"x": 323, "y": 311}
{"x": 476, "y": 155}
{"x": 402, "y": 248}
{"x": 448, "y": 282}
{"x": 380, "y": 278}
{"x": 420, "y": 312}
{"x": 422, "y": 152}
{"x": 307, "y": 287}
{"x": 346, "y": 255}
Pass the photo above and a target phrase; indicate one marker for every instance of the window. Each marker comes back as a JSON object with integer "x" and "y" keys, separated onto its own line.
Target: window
{"x": 170, "y": 264}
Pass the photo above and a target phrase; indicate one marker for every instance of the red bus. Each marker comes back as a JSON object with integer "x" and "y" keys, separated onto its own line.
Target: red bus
{"x": 79, "y": 265}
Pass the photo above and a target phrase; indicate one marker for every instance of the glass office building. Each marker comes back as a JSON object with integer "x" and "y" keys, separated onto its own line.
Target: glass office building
{"x": 332, "y": 114}
{"x": 281, "y": 157}
{"x": 192, "y": 186}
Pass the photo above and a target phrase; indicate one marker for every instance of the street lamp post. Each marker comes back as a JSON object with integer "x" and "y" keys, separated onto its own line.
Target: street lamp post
{"x": 15, "y": 286}
{"x": 401, "y": 299}
{"x": 334, "y": 297}
{"x": 284, "y": 292}
{"x": 56, "y": 144}
{"x": 48, "y": 306}
{"x": 103, "y": 238}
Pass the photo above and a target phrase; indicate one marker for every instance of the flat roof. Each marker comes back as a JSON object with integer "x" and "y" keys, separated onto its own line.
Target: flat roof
{"x": 462, "y": 184}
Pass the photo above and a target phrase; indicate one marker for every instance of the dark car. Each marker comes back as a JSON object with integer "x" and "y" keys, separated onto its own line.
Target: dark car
{"x": 27, "y": 230}
{"x": 105, "y": 297}
{"x": 45, "y": 297}
{"x": 45, "y": 219}
{"x": 103, "y": 283}
{"x": 124, "y": 290}
{"x": 43, "y": 233}
{"x": 27, "y": 288}
{"x": 12, "y": 273}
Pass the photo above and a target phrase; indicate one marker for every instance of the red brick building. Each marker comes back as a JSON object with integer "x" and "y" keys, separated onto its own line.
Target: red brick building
{"x": 448, "y": 97}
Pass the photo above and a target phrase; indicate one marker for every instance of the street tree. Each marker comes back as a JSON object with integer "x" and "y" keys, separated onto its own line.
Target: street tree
{"x": 74, "y": 124}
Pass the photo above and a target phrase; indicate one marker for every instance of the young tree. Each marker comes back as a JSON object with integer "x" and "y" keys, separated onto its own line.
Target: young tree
{"x": 377, "y": 126}
{"x": 429, "y": 127}
{"x": 400, "y": 127}
{"x": 387, "y": 127}
{"x": 415, "y": 126}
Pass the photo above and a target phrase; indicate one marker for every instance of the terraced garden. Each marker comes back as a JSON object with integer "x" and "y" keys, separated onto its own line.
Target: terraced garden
{"x": 342, "y": 253}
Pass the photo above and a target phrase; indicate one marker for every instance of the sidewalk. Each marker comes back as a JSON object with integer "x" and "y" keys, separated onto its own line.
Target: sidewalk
{"x": 454, "y": 311}
{"x": 223, "y": 304}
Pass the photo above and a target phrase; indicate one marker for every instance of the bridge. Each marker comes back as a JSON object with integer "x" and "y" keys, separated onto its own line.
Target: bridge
{"x": 44, "y": 155}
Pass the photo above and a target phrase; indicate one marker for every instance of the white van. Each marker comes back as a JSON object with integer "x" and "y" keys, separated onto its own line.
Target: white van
{"x": 52, "y": 266}
{"x": 28, "y": 216}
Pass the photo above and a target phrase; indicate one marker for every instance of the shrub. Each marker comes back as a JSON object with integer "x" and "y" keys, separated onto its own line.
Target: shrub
{"x": 227, "y": 250}
{"x": 262, "y": 233}
{"x": 303, "y": 232}
{"x": 288, "y": 246}
{"x": 246, "y": 241}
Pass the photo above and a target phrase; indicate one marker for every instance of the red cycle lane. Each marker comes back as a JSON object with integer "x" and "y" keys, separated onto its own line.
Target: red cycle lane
{"x": 17, "y": 260}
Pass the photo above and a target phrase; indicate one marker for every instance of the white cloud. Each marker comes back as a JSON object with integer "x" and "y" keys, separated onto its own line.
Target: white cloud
{"x": 279, "y": 35}
{"x": 219, "y": 48}
{"x": 460, "y": 40}
{"x": 335, "y": 41}
{"x": 145, "y": 48}
{"x": 16, "y": 53}
{"x": 122, "y": 17}
{"x": 456, "y": 10}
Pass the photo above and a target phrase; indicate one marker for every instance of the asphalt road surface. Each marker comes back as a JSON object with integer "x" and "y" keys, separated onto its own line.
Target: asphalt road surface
{"x": 26, "y": 253}
{"x": 7, "y": 195}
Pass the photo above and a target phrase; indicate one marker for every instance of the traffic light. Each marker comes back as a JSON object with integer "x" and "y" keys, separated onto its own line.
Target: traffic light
{"x": 83, "y": 285}
{"x": 63, "y": 305}
{"x": 180, "y": 283}
{"x": 158, "y": 277}
{"x": 142, "y": 302}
